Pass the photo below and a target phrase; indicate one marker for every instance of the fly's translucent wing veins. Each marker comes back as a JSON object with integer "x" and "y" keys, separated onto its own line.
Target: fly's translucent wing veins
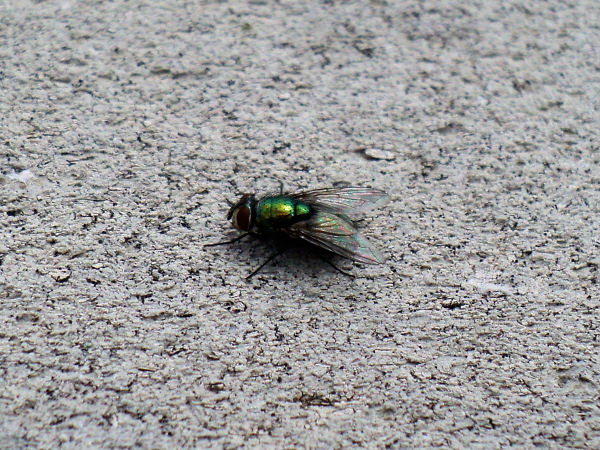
{"x": 349, "y": 200}
{"x": 333, "y": 233}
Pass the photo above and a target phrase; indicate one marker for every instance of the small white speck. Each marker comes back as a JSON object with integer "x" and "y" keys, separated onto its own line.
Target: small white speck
{"x": 487, "y": 287}
{"x": 375, "y": 153}
{"x": 23, "y": 176}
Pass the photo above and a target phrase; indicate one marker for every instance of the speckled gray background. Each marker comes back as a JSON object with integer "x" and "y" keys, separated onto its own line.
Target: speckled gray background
{"x": 124, "y": 128}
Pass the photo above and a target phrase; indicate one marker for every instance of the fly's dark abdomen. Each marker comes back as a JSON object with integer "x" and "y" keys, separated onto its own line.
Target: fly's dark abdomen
{"x": 275, "y": 214}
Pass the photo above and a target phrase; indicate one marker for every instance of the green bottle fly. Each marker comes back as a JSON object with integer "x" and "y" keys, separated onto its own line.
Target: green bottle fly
{"x": 318, "y": 217}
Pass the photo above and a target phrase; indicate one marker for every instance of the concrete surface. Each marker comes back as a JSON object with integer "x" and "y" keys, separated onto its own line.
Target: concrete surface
{"x": 125, "y": 126}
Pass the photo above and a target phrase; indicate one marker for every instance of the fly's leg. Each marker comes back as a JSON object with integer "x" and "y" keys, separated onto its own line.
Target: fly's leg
{"x": 280, "y": 187}
{"x": 233, "y": 241}
{"x": 322, "y": 258}
{"x": 271, "y": 258}
{"x": 239, "y": 238}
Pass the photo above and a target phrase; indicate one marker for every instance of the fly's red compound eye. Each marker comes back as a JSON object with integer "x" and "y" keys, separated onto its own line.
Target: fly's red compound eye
{"x": 241, "y": 218}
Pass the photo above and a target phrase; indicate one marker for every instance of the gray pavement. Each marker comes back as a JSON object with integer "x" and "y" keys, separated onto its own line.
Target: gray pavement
{"x": 126, "y": 126}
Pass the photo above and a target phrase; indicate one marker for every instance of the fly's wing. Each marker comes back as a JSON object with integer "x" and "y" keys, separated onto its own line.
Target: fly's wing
{"x": 333, "y": 233}
{"x": 344, "y": 200}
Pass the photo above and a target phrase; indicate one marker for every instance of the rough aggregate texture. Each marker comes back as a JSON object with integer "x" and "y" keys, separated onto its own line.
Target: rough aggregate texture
{"x": 125, "y": 126}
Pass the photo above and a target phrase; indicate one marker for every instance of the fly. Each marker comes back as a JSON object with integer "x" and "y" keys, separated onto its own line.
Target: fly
{"x": 318, "y": 217}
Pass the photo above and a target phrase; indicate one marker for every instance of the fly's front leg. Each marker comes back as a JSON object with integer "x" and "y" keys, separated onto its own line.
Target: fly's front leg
{"x": 233, "y": 241}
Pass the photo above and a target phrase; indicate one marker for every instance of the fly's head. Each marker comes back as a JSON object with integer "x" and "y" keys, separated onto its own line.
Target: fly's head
{"x": 243, "y": 213}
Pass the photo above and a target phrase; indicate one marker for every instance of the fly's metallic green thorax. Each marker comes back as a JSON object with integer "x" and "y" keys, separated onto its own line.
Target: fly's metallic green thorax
{"x": 275, "y": 214}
